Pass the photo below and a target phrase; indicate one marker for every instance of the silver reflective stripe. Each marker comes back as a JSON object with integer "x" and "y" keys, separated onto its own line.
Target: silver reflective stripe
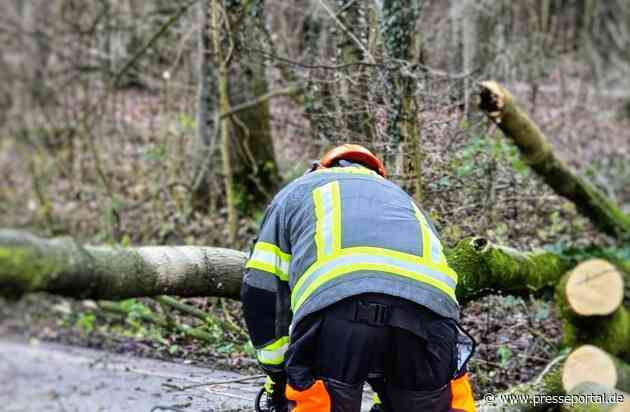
{"x": 327, "y": 224}
{"x": 271, "y": 259}
{"x": 436, "y": 246}
{"x": 374, "y": 259}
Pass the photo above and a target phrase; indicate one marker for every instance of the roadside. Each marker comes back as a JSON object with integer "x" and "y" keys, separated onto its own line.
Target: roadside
{"x": 58, "y": 378}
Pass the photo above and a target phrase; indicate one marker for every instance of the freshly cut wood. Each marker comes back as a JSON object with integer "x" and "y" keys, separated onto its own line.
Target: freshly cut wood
{"x": 595, "y": 287}
{"x": 561, "y": 377}
{"x": 538, "y": 153}
{"x": 594, "y": 397}
{"x": 589, "y": 363}
{"x": 593, "y": 312}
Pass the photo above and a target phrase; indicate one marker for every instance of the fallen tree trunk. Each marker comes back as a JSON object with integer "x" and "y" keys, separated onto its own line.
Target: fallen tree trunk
{"x": 484, "y": 268}
{"x": 537, "y": 152}
{"x": 590, "y": 301}
{"x": 563, "y": 376}
{"x": 591, "y": 364}
{"x": 62, "y": 266}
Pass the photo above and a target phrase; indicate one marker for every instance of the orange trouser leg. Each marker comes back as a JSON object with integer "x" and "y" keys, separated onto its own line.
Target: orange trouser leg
{"x": 314, "y": 399}
{"x": 462, "y": 397}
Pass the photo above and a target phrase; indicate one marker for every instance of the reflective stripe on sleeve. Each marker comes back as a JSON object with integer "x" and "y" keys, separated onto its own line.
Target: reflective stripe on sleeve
{"x": 269, "y": 258}
{"x": 273, "y": 354}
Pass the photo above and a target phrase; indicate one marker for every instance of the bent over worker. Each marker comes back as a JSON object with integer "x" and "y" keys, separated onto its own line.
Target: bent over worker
{"x": 347, "y": 283}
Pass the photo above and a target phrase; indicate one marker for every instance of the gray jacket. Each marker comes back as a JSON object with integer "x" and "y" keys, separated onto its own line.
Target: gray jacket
{"x": 340, "y": 232}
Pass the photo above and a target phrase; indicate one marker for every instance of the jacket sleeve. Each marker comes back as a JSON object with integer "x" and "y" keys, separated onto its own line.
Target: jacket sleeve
{"x": 265, "y": 292}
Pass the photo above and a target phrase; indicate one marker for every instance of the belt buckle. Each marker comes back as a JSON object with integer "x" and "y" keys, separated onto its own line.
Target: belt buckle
{"x": 374, "y": 314}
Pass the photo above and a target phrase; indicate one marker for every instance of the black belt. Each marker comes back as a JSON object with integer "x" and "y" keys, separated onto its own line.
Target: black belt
{"x": 385, "y": 311}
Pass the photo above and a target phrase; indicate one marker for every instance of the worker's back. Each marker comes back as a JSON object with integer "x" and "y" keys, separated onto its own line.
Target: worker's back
{"x": 344, "y": 231}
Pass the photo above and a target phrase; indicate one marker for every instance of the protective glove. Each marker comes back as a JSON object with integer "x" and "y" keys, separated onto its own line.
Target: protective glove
{"x": 276, "y": 400}
{"x": 377, "y": 405}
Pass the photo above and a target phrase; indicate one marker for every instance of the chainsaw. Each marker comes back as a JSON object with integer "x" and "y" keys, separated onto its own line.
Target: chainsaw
{"x": 264, "y": 403}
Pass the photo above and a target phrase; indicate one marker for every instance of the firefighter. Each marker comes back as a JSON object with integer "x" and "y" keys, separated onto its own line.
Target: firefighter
{"x": 347, "y": 283}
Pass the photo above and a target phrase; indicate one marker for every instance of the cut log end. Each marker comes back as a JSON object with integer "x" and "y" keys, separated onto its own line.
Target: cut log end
{"x": 492, "y": 99}
{"x": 595, "y": 287}
{"x": 623, "y": 406}
{"x": 480, "y": 244}
{"x": 588, "y": 363}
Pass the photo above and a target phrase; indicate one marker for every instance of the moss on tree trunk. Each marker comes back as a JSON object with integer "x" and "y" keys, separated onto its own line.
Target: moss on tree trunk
{"x": 62, "y": 266}
{"x": 537, "y": 152}
{"x": 485, "y": 268}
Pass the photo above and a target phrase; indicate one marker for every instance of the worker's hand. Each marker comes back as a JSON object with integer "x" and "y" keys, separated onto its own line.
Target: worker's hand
{"x": 274, "y": 387}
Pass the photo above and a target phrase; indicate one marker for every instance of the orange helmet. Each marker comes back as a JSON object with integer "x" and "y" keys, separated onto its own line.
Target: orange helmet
{"x": 354, "y": 153}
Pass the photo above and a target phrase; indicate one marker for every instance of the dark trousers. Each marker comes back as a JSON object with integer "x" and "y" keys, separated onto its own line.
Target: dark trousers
{"x": 343, "y": 349}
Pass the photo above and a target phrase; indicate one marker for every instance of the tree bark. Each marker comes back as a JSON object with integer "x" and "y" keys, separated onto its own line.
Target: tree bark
{"x": 537, "y": 152}
{"x": 354, "y": 98}
{"x": 583, "y": 323}
{"x": 256, "y": 175}
{"x": 62, "y": 266}
{"x": 222, "y": 61}
{"x": 205, "y": 142}
{"x": 403, "y": 128}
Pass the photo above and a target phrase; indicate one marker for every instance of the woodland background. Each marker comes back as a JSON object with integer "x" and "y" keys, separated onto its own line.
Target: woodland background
{"x": 129, "y": 122}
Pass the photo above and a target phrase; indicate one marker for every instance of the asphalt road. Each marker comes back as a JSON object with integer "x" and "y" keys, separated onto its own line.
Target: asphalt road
{"x": 57, "y": 378}
{"x": 40, "y": 377}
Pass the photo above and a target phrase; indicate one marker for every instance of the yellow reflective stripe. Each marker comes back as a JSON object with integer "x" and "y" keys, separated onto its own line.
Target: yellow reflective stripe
{"x": 350, "y": 169}
{"x": 319, "y": 222}
{"x": 270, "y": 247}
{"x": 345, "y": 269}
{"x": 336, "y": 217}
{"x": 269, "y": 258}
{"x": 273, "y": 354}
{"x": 375, "y": 399}
{"x": 369, "y": 250}
{"x": 266, "y": 267}
{"x": 407, "y": 257}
